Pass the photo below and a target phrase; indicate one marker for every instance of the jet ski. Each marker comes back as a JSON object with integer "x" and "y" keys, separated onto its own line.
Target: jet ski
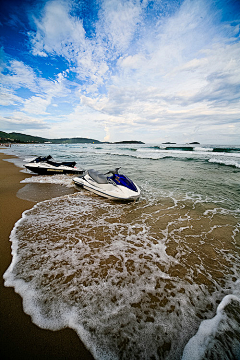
{"x": 115, "y": 187}
{"x": 47, "y": 166}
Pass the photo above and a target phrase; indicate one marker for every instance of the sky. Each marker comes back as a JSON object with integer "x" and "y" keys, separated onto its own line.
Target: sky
{"x": 117, "y": 70}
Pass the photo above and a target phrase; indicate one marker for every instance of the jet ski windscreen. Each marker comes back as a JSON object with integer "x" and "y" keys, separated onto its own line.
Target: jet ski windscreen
{"x": 124, "y": 181}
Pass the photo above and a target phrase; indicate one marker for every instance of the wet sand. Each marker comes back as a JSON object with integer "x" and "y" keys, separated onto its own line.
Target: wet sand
{"x": 20, "y": 338}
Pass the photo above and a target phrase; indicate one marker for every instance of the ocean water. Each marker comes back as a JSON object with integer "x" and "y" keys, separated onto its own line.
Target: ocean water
{"x": 158, "y": 278}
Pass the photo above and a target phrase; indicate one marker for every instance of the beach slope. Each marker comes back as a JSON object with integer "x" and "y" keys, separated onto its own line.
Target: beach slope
{"x": 20, "y": 338}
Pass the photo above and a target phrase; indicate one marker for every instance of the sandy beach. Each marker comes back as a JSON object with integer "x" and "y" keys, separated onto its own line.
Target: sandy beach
{"x": 20, "y": 338}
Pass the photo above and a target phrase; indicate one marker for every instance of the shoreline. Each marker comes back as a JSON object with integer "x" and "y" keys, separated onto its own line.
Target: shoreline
{"x": 20, "y": 338}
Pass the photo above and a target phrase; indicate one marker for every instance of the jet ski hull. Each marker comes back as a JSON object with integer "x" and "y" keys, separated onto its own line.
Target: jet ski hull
{"x": 45, "y": 170}
{"x": 108, "y": 190}
{"x": 46, "y": 166}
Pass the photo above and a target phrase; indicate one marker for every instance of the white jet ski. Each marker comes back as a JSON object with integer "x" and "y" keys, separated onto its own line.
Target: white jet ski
{"x": 46, "y": 166}
{"x": 115, "y": 187}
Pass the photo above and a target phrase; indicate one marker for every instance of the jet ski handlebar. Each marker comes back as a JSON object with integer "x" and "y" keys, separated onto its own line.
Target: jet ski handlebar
{"x": 114, "y": 172}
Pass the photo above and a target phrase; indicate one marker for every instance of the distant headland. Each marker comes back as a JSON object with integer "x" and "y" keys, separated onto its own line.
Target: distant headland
{"x": 128, "y": 142}
{"x": 169, "y": 143}
{"x": 173, "y": 143}
{"x": 18, "y": 138}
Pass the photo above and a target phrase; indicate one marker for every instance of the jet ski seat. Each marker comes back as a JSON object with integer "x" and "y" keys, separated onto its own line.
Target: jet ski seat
{"x": 98, "y": 177}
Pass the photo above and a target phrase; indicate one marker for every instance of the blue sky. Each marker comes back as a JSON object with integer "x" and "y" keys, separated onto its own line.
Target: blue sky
{"x": 116, "y": 70}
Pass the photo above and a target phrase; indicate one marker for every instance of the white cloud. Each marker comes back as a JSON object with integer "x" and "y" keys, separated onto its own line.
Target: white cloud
{"x": 57, "y": 31}
{"x": 7, "y": 97}
{"x": 18, "y": 75}
{"x": 55, "y": 88}
{"x": 21, "y": 121}
{"x": 119, "y": 20}
{"x": 15, "y": 75}
{"x": 36, "y": 105}
{"x": 165, "y": 69}
{"x": 108, "y": 135}
{"x": 60, "y": 33}
{"x": 49, "y": 90}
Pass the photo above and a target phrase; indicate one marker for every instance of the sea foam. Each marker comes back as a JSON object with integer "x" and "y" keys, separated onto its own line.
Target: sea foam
{"x": 212, "y": 339}
{"x": 134, "y": 280}
{"x": 50, "y": 179}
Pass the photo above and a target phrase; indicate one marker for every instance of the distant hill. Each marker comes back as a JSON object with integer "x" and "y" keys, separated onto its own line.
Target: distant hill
{"x": 22, "y": 138}
{"x": 74, "y": 141}
{"x": 129, "y": 142}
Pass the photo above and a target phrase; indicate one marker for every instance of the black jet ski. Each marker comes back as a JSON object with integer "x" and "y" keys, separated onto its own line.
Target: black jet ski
{"x": 47, "y": 166}
{"x": 115, "y": 187}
